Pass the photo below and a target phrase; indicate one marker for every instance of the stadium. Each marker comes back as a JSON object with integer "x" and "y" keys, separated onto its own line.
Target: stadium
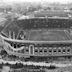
{"x": 47, "y": 37}
{"x": 38, "y": 37}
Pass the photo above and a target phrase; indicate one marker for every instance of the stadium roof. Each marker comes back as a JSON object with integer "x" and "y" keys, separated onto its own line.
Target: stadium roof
{"x": 50, "y": 13}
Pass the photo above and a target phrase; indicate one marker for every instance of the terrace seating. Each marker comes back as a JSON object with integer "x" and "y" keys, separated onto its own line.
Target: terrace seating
{"x": 23, "y": 35}
{"x": 16, "y": 26}
{"x": 10, "y": 29}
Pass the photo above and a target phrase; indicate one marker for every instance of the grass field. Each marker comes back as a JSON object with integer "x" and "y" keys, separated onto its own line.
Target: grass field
{"x": 49, "y": 35}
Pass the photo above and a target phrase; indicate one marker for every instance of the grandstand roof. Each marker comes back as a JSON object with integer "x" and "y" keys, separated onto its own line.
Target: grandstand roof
{"x": 51, "y": 13}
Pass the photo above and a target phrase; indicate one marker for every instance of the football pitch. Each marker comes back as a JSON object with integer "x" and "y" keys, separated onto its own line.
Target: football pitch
{"x": 50, "y": 35}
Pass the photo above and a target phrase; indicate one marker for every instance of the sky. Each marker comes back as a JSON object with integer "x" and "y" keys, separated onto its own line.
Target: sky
{"x": 61, "y": 1}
